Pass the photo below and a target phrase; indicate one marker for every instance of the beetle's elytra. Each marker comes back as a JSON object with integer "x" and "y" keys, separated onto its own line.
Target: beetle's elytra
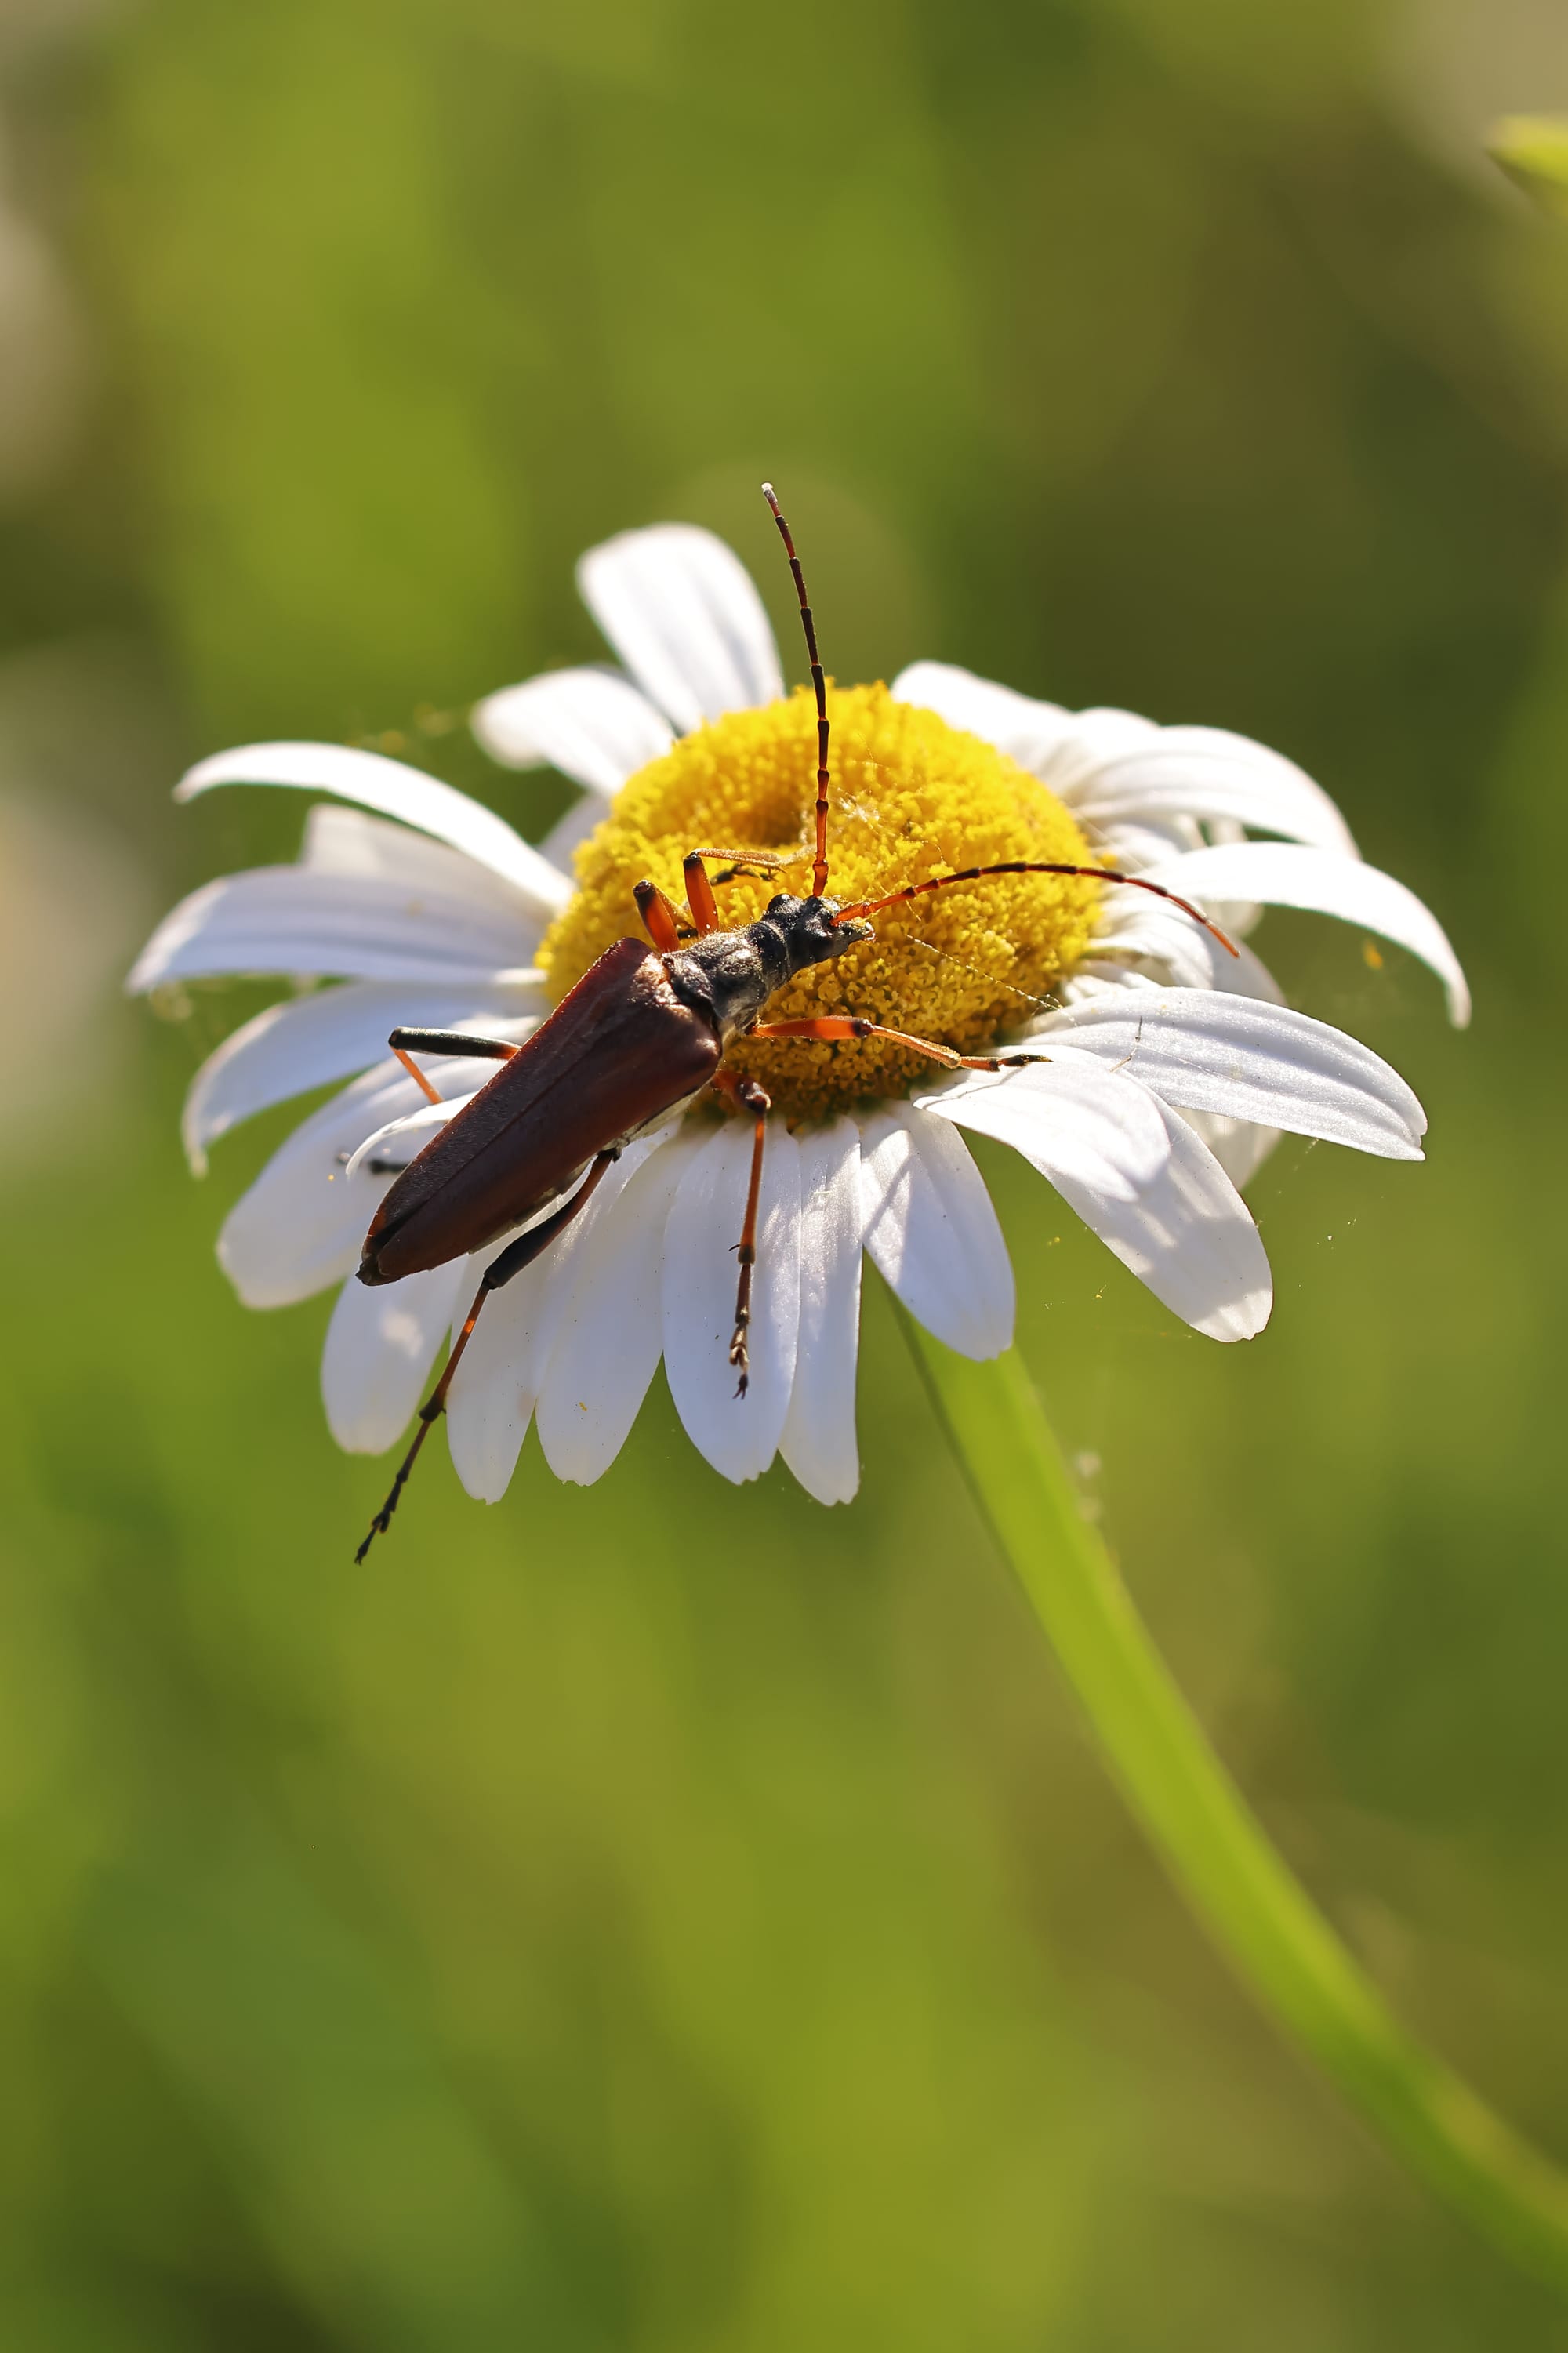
{"x": 622, "y": 1048}
{"x": 644, "y": 1031}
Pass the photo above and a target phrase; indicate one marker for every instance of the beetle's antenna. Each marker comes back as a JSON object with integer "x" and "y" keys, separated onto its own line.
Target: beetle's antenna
{"x": 1029, "y": 866}
{"x": 819, "y": 869}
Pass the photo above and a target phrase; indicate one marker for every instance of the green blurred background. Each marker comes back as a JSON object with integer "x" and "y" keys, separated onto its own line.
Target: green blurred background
{"x": 669, "y": 1917}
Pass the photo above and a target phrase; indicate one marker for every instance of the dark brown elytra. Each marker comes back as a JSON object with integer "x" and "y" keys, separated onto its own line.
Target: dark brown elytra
{"x": 643, "y": 1033}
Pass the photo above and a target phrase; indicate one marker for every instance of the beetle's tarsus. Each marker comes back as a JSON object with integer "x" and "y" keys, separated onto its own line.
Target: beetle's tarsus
{"x": 381, "y": 1523}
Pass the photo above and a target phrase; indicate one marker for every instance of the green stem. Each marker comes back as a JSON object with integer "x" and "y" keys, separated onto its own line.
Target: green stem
{"x": 1258, "y": 1915}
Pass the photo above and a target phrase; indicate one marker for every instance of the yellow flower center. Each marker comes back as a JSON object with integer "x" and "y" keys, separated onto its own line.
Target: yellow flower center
{"x": 912, "y": 798}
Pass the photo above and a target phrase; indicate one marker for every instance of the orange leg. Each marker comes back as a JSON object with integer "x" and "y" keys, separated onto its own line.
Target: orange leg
{"x": 659, "y": 917}
{"x": 511, "y": 1261}
{"x": 843, "y": 1025}
{"x": 700, "y": 889}
{"x": 662, "y": 917}
{"x": 699, "y": 894}
{"x": 748, "y": 1096}
{"x": 418, "y": 1075}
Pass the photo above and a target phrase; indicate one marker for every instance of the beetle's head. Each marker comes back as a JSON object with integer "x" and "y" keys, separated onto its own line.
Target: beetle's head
{"x": 809, "y": 930}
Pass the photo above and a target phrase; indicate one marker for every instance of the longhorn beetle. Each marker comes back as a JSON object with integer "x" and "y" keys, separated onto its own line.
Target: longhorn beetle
{"x": 644, "y": 1031}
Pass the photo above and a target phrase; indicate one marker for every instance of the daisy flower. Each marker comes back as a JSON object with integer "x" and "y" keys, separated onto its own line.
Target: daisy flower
{"x": 1169, "y": 1062}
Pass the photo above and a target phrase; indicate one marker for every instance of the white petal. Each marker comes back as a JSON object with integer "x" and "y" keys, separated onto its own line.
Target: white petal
{"x": 739, "y": 1435}
{"x": 495, "y": 1387}
{"x": 288, "y": 918}
{"x": 571, "y": 828}
{"x": 380, "y": 1344}
{"x": 1238, "y": 1144}
{"x": 1205, "y": 772}
{"x": 590, "y": 724}
{"x": 933, "y": 1232}
{"x": 1096, "y": 735}
{"x": 1186, "y": 1231}
{"x": 1071, "y": 1117}
{"x": 1142, "y": 926}
{"x": 1091, "y": 979}
{"x": 308, "y": 1041}
{"x": 612, "y": 1326}
{"x": 299, "y": 1226}
{"x": 1133, "y": 848}
{"x": 1204, "y": 1051}
{"x": 818, "y": 1440}
{"x": 680, "y": 608}
{"x": 1028, "y": 731}
{"x": 1279, "y": 875}
{"x": 397, "y": 790}
{"x": 1172, "y": 1218}
{"x": 401, "y": 1141}
{"x": 347, "y": 841}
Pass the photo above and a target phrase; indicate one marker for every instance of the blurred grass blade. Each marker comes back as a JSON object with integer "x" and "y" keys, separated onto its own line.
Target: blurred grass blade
{"x": 1259, "y": 1916}
{"x": 1532, "y": 149}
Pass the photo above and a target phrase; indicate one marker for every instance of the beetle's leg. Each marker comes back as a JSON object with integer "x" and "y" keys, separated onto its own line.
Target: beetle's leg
{"x": 750, "y": 1097}
{"x": 404, "y": 1042}
{"x": 761, "y": 861}
{"x": 430, "y": 1094}
{"x": 452, "y": 1042}
{"x": 748, "y": 862}
{"x": 659, "y": 919}
{"x": 528, "y": 1246}
{"x": 700, "y": 888}
{"x": 699, "y": 894}
{"x": 500, "y": 1270}
{"x": 843, "y": 1025}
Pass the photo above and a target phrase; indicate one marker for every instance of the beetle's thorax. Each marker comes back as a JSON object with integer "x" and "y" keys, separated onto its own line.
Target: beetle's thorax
{"x": 730, "y": 975}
